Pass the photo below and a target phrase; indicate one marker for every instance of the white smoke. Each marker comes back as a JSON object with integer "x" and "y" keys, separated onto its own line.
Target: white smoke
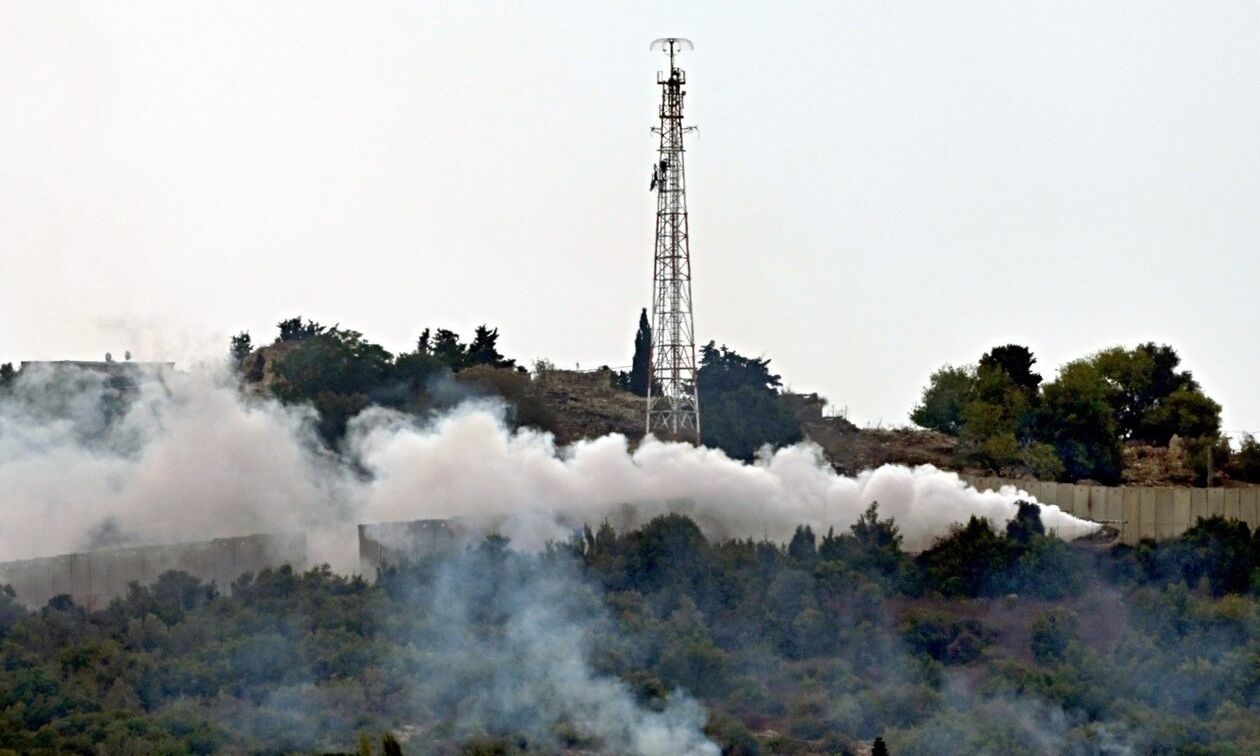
{"x": 467, "y": 465}
{"x": 191, "y": 459}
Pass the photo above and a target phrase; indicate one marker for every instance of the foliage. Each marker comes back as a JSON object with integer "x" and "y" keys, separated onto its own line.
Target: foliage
{"x": 7, "y": 374}
{"x": 484, "y": 350}
{"x": 1016, "y": 363}
{"x": 1053, "y": 633}
{"x": 802, "y": 647}
{"x": 641, "y": 364}
{"x": 947, "y": 394}
{"x": 340, "y": 373}
{"x": 741, "y": 409}
{"x": 1152, "y": 399}
{"x": 1076, "y": 418}
{"x": 297, "y": 329}
{"x": 240, "y": 348}
{"x": 1071, "y": 428}
{"x": 1245, "y": 465}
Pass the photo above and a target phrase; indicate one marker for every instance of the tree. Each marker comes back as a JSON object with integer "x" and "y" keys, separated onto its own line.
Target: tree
{"x": 7, "y": 374}
{"x": 1151, "y": 399}
{"x": 390, "y": 745}
{"x": 640, "y": 366}
{"x": 803, "y": 547}
{"x": 1245, "y": 464}
{"x": 297, "y": 329}
{"x": 879, "y": 747}
{"x": 1026, "y": 523}
{"x": 1052, "y": 634}
{"x": 996, "y": 422}
{"x": 968, "y": 561}
{"x": 1077, "y": 419}
{"x": 242, "y": 345}
{"x": 741, "y": 409}
{"x": 1016, "y": 361}
{"x": 449, "y": 350}
{"x": 338, "y": 361}
{"x": 483, "y": 349}
{"x": 948, "y": 392}
{"x": 338, "y": 372}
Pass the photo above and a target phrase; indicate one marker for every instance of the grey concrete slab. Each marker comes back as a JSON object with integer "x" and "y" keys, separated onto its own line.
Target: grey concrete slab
{"x": 1164, "y": 525}
{"x": 1181, "y": 511}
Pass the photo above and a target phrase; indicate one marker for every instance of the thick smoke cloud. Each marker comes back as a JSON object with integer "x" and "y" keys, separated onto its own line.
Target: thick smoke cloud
{"x": 189, "y": 458}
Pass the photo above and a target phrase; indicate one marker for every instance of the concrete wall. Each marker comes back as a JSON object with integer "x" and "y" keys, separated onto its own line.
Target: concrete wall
{"x": 397, "y": 542}
{"x": 1157, "y": 512}
{"x": 94, "y": 578}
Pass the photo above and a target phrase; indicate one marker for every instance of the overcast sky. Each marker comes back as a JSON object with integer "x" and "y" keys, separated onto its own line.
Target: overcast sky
{"x": 876, "y": 189}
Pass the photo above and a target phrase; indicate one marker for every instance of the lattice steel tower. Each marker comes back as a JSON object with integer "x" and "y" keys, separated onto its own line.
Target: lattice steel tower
{"x": 673, "y": 409}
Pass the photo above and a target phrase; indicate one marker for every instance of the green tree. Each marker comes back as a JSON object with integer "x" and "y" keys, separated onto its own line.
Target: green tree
{"x": 7, "y": 374}
{"x": 967, "y": 562}
{"x": 297, "y": 329}
{"x": 1077, "y": 419}
{"x": 1245, "y": 464}
{"x": 640, "y": 366}
{"x": 337, "y": 361}
{"x": 993, "y": 420}
{"x": 741, "y": 409}
{"x": 1016, "y": 361}
{"x": 1151, "y": 399}
{"x": 338, "y": 372}
{"x": 948, "y": 392}
{"x": 1026, "y": 523}
{"x": 484, "y": 350}
{"x": 1052, "y": 634}
{"x": 241, "y": 347}
{"x": 449, "y": 350}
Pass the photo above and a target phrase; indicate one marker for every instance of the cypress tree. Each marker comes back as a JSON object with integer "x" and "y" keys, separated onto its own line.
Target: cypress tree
{"x": 642, "y": 356}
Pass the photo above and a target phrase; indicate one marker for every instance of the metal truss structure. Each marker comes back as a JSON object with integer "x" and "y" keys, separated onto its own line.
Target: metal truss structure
{"x": 673, "y": 407}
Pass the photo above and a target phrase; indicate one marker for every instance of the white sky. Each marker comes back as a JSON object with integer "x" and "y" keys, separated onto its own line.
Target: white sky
{"x": 877, "y": 188}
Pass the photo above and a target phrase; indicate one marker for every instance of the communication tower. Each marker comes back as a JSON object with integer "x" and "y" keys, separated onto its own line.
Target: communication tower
{"x": 673, "y": 408}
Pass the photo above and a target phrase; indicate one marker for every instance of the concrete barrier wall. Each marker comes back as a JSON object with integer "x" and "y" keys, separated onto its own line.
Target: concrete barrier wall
{"x": 95, "y": 578}
{"x": 1157, "y": 512}
{"x": 398, "y": 542}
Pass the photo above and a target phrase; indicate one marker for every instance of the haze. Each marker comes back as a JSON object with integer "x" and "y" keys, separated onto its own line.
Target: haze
{"x": 876, "y": 189}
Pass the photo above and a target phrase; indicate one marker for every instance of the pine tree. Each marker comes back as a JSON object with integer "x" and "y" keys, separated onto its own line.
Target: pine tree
{"x": 641, "y": 365}
{"x": 484, "y": 349}
{"x": 879, "y": 748}
{"x": 242, "y": 345}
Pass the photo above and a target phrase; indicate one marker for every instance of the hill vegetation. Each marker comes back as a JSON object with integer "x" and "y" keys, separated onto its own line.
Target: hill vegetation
{"x": 988, "y": 642}
{"x": 1121, "y": 415}
{"x": 1076, "y": 427}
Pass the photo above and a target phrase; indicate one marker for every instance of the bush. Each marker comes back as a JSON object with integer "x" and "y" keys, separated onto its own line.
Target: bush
{"x": 944, "y": 638}
{"x": 1052, "y": 633}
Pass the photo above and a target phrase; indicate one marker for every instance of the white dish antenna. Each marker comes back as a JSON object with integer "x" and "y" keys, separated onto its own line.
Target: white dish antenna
{"x": 672, "y": 45}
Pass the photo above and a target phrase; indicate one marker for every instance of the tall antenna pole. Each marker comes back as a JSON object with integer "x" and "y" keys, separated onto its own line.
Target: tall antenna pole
{"x": 673, "y": 408}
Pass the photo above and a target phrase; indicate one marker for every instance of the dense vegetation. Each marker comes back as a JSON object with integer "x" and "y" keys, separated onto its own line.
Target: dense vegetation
{"x": 340, "y": 373}
{"x": 1074, "y": 427}
{"x": 989, "y": 642}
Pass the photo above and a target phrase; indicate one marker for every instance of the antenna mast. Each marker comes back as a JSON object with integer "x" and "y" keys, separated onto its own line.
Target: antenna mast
{"x": 673, "y": 408}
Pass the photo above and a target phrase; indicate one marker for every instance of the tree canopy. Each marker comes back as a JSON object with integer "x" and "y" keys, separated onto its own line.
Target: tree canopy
{"x": 1073, "y": 427}
{"x": 741, "y": 407}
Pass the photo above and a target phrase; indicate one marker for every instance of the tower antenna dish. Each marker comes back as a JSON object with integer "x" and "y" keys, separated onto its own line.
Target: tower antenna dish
{"x": 672, "y": 46}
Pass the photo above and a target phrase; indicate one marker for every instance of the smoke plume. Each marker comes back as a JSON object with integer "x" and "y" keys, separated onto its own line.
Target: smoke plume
{"x": 189, "y": 458}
